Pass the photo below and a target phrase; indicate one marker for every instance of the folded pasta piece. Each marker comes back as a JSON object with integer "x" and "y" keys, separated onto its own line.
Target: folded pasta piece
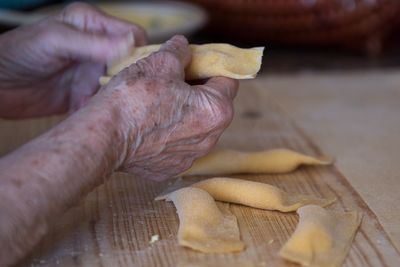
{"x": 223, "y": 263}
{"x": 257, "y": 195}
{"x": 208, "y": 60}
{"x": 202, "y": 225}
{"x": 136, "y": 55}
{"x": 322, "y": 238}
{"x": 228, "y": 161}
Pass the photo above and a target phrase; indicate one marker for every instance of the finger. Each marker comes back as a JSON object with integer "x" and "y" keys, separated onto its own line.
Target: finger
{"x": 173, "y": 56}
{"x": 88, "y": 18}
{"x": 68, "y": 42}
{"x": 179, "y": 47}
{"x": 225, "y": 86}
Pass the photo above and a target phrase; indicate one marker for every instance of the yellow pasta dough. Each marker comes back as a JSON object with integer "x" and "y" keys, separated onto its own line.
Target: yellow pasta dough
{"x": 257, "y": 195}
{"x": 322, "y": 238}
{"x": 224, "y": 263}
{"x": 227, "y": 161}
{"x": 136, "y": 55}
{"x": 208, "y": 60}
{"x": 202, "y": 225}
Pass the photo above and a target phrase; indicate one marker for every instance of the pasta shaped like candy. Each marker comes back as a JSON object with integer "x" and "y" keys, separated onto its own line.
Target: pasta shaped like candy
{"x": 257, "y": 195}
{"x": 208, "y": 60}
{"x": 322, "y": 238}
{"x": 227, "y": 161}
{"x": 202, "y": 225}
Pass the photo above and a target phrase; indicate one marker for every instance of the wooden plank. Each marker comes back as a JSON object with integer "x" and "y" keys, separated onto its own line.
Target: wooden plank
{"x": 355, "y": 116}
{"x": 114, "y": 224}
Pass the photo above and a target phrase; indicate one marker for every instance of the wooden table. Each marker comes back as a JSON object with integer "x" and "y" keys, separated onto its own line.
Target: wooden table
{"x": 353, "y": 117}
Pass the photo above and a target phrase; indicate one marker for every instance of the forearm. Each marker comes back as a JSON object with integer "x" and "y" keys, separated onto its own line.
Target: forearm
{"x": 46, "y": 176}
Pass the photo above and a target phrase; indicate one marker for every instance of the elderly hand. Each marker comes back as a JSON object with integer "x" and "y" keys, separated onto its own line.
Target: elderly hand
{"x": 53, "y": 66}
{"x": 146, "y": 121}
{"x": 164, "y": 122}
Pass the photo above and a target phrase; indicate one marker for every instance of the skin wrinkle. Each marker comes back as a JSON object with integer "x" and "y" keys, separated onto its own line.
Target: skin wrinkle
{"x": 8, "y": 74}
{"x": 60, "y": 146}
{"x": 179, "y": 119}
{"x": 182, "y": 142}
{"x": 91, "y": 22}
{"x": 36, "y": 58}
{"x": 167, "y": 125}
{"x": 152, "y": 155}
{"x": 207, "y": 101}
{"x": 152, "y": 125}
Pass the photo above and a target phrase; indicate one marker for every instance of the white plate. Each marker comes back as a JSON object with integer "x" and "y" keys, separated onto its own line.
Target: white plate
{"x": 161, "y": 19}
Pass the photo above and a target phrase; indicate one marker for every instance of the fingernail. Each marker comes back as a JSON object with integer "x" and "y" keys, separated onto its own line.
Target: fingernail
{"x": 130, "y": 38}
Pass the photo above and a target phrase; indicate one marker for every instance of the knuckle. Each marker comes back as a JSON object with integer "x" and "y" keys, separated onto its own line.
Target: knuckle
{"x": 180, "y": 38}
{"x": 168, "y": 58}
{"x": 76, "y": 7}
{"x": 163, "y": 63}
{"x": 142, "y": 68}
{"x": 223, "y": 116}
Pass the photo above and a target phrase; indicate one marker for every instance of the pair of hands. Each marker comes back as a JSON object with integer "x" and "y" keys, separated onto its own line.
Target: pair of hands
{"x": 163, "y": 122}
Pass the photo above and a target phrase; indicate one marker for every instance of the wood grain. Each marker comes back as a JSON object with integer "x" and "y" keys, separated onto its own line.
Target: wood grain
{"x": 113, "y": 225}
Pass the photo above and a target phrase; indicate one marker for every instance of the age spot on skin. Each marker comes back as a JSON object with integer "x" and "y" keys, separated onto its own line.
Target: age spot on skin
{"x": 115, "y": 134}
{"x": 148, "y": 85}
{"x": 133, "y": 80}
{"x": 185, "y": 107}
{"x": 107, "y": 123}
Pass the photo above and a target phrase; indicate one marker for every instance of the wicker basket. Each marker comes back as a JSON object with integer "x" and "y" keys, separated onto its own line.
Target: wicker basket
{"x": 352, "y": 23}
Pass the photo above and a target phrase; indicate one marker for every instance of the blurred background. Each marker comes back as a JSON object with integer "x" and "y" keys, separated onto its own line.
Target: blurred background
{"x": 298, "y": 34}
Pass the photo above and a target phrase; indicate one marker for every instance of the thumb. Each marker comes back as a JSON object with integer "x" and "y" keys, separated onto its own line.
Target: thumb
{"x": 74, "y": 44}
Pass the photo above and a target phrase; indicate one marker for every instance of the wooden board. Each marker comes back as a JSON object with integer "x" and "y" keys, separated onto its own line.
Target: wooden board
{"x": 114, "y": 224}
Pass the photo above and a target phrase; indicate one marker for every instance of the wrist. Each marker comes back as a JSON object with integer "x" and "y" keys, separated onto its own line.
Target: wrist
{"x": 113, "y": 128}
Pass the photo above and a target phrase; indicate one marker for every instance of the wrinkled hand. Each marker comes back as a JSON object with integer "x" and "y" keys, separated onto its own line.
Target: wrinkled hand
{"x": 53, "y": 66}
{"x": 166, "y": 123}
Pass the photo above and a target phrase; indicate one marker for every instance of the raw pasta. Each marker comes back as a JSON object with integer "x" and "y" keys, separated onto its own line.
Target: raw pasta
{"x": 228, "y": 161}
{"x": 322, "y": 238}
{"x": 236, "y": 263}
{"x": 202, "y": 225}
{"x": 208, "y": 60}
{"x": 257, "y": 195}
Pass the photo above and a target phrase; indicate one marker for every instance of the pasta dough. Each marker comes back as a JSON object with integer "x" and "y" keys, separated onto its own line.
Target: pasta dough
{"x": 226, "y": 161}
{"x": 257, "y": 195}
{"x": 224, "y": 263}
{"x": 208, "y": 60}
{"x": 322, "y": 238}
{"x": 202, "y": 225}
